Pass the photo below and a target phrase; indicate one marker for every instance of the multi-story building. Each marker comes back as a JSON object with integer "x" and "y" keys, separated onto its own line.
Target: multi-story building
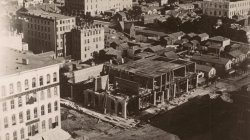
{"x": 29, "y": 95}
{"x": 82, "y": 42}
{"x": 97, "y": 6}
{"x": 45, "y": 31}
{"x": 226, "y": 8}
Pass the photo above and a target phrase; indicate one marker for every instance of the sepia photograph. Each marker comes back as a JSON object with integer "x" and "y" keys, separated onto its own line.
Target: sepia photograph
{"x": 125, "y": 70}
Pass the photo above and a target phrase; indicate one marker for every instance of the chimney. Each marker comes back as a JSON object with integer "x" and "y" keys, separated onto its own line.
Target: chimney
{"x": 25, "y": 61}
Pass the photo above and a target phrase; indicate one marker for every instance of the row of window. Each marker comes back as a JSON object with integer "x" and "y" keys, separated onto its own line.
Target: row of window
{"x": 86, "y": 41}
{"x": 28, "y": 114}
{"x": 64, "y": 21}
{"x": 26, "y": 84}
{"x": 39, "y": 27}
{"x": 44, "y": 22}
{"x": 32, "y": 129}
{"x": 41, "y": 35}
{"x": 30, "y": 99}
{"x": 14, "y": 135}
{"x": 89, "y": 33}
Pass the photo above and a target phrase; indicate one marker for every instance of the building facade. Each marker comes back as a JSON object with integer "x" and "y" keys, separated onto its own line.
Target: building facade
{"x": 45, "y": 31}
{"x": 97, "y": 6}
{"x": 30, "y": 96}
{"x": 226, "y": 8}
{"x": 84, "y": 41}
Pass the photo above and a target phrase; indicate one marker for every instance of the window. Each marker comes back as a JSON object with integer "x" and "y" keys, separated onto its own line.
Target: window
{"x": 22, "y": 133}
{"x": 7, "y": 136}
{"x": 50, "y": 123}
{"x": 43, "y": 125}
{"x": 56, "y": 120}
{"x": 48, "y": 93}
{"x": 6, "y": 122}
{"x": 11, "y": 88}
{"x": 28, "y": 114}
{"x": 19, "y": 88}
{"x": 33, "y": 82}
{"x": 42, "y": 110}
{"x": 29, "y": 130}
{"x": 4, "y": 105}
{"x": 49, "y": 108}
{"x": 14, "y": 135}
{"x": 20, "y": 102}
{"x": 35, "y": 112}
{"x": 55, "y": 91}
{"x": 48, "y": 78}
{"x": 12, "y": 104}
{"x": 54, "y": 77}
{"x": 26, "y": 84}
{"x": 13, "y": 119}
{"x": 41, "y": 80}
{"x": 42, "y": 95}
{"x": 21, "y": 117}
{"x": 27, "y": 99}
{"x": 56, "y": 106}
{"x": 3, "y": 90}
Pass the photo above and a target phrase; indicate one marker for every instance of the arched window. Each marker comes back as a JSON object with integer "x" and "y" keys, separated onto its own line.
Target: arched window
{"x": 35, "y": 112}
{"x": 112, "y": 104}
{"x": 41, "y": 80}
{"x": 20, "y": 102}
{"x": 50, "y": 123}
{"x": 55, "y": 91}
{"x": 19, "y": 87}
{"x": 48, "y": 78}
{"x": 14, "y": 135}
{"x": 7, "y": 136}
{"x": 56, "y": 105}
{"x": 22, "y": 133}
{"x": 42, "y": 110}
{"x": 21, "y": 117}
{"x": 48, "y": 93}
{"x": 13, "y": 119}
{"x": 43, "y": 125}
{"x": 33, "y": 82}
{"x": 12, "y": 104}
{"x": 6, "y": 122}
{"x": 49, "y": 108}
{"x": 42, "y": 96}
{"x": 28, "y": 114}
{"x": 11, "y": 88}
{"x": 26, "y": 84}
{"x": 54, "y": 77}
{"x": 56, "y": 120}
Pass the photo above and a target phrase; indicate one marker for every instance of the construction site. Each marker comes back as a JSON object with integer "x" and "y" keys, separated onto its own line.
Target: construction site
{"x": 138, "y": 85}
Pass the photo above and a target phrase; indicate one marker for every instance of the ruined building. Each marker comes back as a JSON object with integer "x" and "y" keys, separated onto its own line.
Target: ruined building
{"x": 138, "y": 85}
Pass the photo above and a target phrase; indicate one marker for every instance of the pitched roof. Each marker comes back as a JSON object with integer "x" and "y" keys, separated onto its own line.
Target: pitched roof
{"x": 203, "y": 35}
{"x": 211, "y": 59}
{"x": 156, "y": 48}
{"x": 171, "y": 55}
{"x": 235, "y": 53}
{"x": 204, "y": 68}
{"x": 218, "y": 38}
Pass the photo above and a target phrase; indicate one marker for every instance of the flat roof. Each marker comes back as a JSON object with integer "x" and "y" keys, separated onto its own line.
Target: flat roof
{"x": 211, "y": 59}
{"x": 151, "y": 67}
{"x": 12, "y": 61}
{"x": 43, "y": 14}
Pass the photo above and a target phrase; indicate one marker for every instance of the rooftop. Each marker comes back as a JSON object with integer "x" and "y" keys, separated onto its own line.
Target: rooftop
{"x": 218, "y": 38}
{"x": 204, "y": 68}
{"x": 12, "y": 61}
{"x": 211, "y": 59}
{"x": 39, "y": 12}
{"x": 153, "y": 66}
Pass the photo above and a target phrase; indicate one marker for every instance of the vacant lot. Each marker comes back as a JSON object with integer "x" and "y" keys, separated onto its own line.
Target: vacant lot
{"x": 83, "y": 125}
